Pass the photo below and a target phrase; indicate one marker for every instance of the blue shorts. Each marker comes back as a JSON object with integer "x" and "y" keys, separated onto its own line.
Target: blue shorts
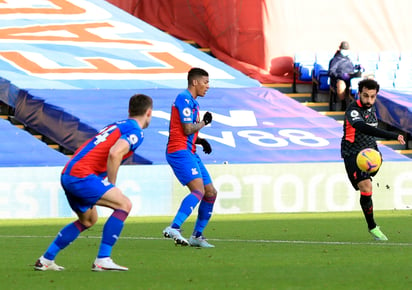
{"x": 83, "y": 193}
{"x": 188, "y": 166}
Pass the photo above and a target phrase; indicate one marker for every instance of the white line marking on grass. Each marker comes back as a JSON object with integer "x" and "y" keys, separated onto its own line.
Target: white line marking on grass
{"x": 376, "y": 243}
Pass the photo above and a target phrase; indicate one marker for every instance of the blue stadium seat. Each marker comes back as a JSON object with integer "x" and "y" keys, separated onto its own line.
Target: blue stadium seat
{"x": 385, "y": 68}
{"x": 389, "y": 56}
{"x": 354, "y": 86}
{"x": 304, "y": 58}
{"x": 320, "y": 80}
{"x": 320, "y": 76}
{"x": 385, "y": 77}
{"x": 387, "y": 65}
{"x": 403, "y": 79}
{"x": 369, "y": 61}
{"x": 303, "y": 66}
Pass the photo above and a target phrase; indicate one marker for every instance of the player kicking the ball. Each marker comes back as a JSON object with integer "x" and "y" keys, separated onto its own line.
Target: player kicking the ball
{"x": 359, "y": 132}
{"x": 184, "y": 128}
{"x": 84, "y": 183}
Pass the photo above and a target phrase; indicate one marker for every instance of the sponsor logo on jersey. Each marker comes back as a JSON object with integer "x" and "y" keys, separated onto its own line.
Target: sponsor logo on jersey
{"x": 355, "y": 115}
{"x": 186, "y": 112}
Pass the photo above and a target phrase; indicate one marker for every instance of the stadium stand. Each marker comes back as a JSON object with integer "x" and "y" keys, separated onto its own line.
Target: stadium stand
{"x": 20, "y": 148}
{"x": 320, "y": 77}
{"x": 69, "y": 108}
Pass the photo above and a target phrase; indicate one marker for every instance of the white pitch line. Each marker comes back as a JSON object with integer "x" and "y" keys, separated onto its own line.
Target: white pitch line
{"x": 376, "y": 243}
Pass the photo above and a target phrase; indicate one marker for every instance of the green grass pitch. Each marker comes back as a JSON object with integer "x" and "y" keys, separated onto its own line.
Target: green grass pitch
{"x": 261, "y": 251}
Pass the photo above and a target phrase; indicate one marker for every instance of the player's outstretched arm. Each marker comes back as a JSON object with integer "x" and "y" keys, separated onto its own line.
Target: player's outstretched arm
{"x": 376, "y": 132}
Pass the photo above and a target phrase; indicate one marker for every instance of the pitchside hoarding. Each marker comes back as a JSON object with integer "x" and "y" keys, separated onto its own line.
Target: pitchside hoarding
{"x": 242, "y": 188}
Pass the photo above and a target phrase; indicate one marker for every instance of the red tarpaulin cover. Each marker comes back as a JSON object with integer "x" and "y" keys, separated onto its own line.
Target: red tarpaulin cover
{"x": 260, "y": 38}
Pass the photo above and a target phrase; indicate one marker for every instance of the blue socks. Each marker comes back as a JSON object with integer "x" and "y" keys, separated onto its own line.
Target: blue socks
{"x": 64, "y": 238}
{"x": 111, "y": 232}
{"x": 204, "y": 212}
{"x": 186, "y": 208}
{"x": 204, "y": 215}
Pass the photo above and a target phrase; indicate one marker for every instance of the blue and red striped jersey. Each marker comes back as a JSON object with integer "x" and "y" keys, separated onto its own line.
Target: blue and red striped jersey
{"x": 91, "y": 157}
{"x": 185, "y": 109}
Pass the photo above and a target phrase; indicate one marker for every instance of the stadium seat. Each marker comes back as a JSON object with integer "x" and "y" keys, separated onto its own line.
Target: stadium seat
{"x": 320, "y": 76}
{"x": 354, "y": 86}
{"x": 386, "y": 66}
{"x": 405, "y": 55}
{"x": 320, "y": 79}
{"x": 303, "y": 66}
{"x": 369, "y": 61}
{"x": 385, "y": 77}
{"x": 405, "y": 64}
{"x": 304, "y": 58}
{"x": 389, "y": 56}
{"x": 403, "y": 81}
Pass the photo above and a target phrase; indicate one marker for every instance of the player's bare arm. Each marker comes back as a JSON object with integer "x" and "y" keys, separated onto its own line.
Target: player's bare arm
{"x": 116, "y": 153}
{"x": 189, "y": 128}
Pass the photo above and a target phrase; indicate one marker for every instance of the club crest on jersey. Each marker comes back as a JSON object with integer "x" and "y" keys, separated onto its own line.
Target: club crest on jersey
{"x": 106, "y": 182}
{"x": 133, "y": 139}
{"x": 194, "y": 171}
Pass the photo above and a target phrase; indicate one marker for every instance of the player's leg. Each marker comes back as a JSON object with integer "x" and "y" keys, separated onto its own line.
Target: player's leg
{"x": 64, "y": 238}
{"x": 87, "y": 217}
{"x": 187, "y": 171}
{"x": 365, "y": 187}
{"x": 112, "y": 229}
{"x": 204, "y": 214}
{"x": 205, "y": 210}
{"x": 362, "y": 181}
{"x": 189, "y": 202}
{"x": 185, "y": 210}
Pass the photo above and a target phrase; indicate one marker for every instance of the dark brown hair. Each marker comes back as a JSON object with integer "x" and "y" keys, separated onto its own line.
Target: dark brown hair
{"x": 139, "y": 104}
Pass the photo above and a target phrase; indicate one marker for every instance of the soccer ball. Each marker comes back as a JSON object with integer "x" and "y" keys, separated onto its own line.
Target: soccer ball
{"x": 369, "y": 160}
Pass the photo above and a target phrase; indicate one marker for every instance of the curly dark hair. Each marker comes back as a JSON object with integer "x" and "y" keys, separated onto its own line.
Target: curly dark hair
{"x": 370, "y": 84}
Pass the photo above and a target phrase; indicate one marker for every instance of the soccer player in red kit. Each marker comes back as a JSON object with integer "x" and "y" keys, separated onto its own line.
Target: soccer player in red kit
{"x": 359, "y": 131}
{"x": 89, "y": 179}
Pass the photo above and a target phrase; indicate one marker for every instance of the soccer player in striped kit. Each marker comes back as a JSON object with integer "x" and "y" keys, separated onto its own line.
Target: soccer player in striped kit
{"x": 359, "y": 131}
{"x": 184, "y": 128}
{"x": 85, "y": 185}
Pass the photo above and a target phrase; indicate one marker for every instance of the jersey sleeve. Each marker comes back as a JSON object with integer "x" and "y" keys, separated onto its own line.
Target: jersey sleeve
{"x": 354, "y": 116}
{"x": 183, "y": 106}
{"x": 134, "y": 138}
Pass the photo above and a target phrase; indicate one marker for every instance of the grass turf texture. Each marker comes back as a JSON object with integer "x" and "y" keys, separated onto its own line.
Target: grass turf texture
{"x": 265, "y": 251}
